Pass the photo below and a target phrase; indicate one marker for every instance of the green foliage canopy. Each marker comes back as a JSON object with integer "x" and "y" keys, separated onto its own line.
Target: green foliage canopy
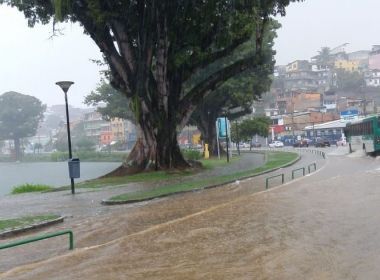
{"x": 250, "y": 127}
{"x": 351, "y": 81}
{"x": 116, "y": 104}
{"x": 19, "y": 115}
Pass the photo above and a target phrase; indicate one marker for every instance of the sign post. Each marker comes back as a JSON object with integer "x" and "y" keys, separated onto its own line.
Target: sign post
{"x": 222, "y": 132}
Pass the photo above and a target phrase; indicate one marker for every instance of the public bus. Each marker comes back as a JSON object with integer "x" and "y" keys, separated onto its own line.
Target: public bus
{"x": 364, "y": 134}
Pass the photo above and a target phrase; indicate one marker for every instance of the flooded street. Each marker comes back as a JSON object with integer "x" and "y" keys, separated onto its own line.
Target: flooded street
{"x": 323, "y": 226}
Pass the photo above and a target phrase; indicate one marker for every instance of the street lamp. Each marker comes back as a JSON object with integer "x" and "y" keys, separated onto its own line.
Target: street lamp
{"x": 65, "y": 85}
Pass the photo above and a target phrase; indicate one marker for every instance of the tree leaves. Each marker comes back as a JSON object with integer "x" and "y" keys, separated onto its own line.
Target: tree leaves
{"x": 19, "y": 115}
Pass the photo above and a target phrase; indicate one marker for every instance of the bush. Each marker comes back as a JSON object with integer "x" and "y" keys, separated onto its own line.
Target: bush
{"x": 26, "y": 188}
{"x": 192, "y": 154}
{"x": 90, "y": 156}
{"x": 59, "y": 156}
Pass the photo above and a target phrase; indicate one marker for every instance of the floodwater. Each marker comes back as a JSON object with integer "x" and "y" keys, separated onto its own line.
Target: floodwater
{"x": 323, "y": 226}
{"x": 50, "y": 173}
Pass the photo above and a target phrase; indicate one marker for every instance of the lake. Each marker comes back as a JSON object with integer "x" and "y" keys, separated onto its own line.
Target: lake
{"x": 55, "y": 174}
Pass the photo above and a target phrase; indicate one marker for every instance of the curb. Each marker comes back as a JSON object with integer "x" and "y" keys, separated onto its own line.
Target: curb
{"x": 119, "y": 202}
{"x": 17, "y": 231}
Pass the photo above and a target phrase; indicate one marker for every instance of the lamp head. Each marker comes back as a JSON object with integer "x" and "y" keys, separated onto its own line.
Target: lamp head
{"x": 64, "y": 85}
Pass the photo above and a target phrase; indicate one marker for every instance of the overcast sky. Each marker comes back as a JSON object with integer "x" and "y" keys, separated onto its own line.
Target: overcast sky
{"x": 31, "y": 63}
{"x": 313, "y": 24}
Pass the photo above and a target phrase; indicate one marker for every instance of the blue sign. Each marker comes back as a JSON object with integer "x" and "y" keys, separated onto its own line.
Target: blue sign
{"x": 349, "y": 114}
{"x": 222, "y": 127}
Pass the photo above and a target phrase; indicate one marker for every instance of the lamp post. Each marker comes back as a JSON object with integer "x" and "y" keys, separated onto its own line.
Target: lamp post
{"x": 65, "y": 85}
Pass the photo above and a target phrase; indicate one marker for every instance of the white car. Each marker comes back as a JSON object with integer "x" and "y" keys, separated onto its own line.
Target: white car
{"x": 243, "y": 145}
{"x": 276, "y": 144}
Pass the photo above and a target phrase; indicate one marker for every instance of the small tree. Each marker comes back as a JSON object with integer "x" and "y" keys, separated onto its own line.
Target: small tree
{"x": 19, "y": 117}
{"x": 117, "y": 104}
{"x": 250, "y": 127}
{"x": 84, "y": 144}
{"x": 38, "y": 147}
{"x": 350, "y": 81}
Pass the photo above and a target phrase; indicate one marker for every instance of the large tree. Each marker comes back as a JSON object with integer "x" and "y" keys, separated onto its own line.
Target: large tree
{"x": 236, "y": 96}
{"x": 19, "y": 117}
{"x": 154, "y": 47}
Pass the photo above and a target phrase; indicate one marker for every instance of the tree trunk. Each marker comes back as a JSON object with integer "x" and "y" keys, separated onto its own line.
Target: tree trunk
{"x": 208, "y": 131}
{"x": 155, "y": 149}
{"x": 17, "y": 149}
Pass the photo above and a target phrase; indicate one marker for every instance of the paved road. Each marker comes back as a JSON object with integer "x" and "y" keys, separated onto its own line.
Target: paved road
{"x": 95, "y": 224}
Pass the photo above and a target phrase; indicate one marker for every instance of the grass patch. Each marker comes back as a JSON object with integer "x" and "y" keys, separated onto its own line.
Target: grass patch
{"x": 146, "y": 176}
{"x": 274, "y": 160}
{"x": 10, "y": 224}
{"x": 140, "y": 177}
{"x": 216, "y": 162}
{"x": 27, "y": 188}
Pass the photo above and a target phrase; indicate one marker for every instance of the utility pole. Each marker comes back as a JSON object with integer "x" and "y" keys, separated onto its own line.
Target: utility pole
{"x": 364, "y": 101}
{"x": 293, "y": 117}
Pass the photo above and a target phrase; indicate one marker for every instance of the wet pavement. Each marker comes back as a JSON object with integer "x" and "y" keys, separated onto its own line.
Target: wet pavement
{"x": 232, "y": 232}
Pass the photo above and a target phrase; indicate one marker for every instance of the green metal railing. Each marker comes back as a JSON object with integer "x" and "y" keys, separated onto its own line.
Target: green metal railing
{"x": 267, "y": 179}
{"x": 313, "y": 164}
{"x": 295, "y": 170}
{"x": 41, "y": 237}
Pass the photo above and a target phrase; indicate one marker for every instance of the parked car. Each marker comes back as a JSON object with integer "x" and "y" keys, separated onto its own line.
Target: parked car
{"x": 255, "y": 145}
{"x": 301, "y": 143}
{"x": 341, "y": 142}
{"x": 243, "y": 145}
{"x": 276, "y": 144}
{"x": 321, "y": 142}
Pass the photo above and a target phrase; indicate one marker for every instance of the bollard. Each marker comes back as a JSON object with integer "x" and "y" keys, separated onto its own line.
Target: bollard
{"x": 282, "y": 179}
{"x": 303, "y": 171}
{"x": 313, "y": 164}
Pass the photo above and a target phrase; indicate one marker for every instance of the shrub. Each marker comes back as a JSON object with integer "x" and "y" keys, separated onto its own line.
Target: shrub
{"x": 192, "y": 154}
{"x": 59, "y": 156}
{"x": 25, "y": 188}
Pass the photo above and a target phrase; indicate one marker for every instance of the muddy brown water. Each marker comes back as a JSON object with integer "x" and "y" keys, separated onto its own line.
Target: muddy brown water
{"x": 323, "y": 226}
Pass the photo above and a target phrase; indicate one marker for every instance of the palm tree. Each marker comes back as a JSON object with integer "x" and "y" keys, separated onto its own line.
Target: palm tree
{"x": 324, "y": 57}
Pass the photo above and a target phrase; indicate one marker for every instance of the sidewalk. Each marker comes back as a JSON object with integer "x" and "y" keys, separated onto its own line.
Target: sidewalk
{"x": 94, "y": 223}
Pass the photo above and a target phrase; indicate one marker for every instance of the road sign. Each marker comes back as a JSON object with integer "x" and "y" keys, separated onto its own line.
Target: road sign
{"x": 222, "y": 127}
{"x": 349, "y": 114}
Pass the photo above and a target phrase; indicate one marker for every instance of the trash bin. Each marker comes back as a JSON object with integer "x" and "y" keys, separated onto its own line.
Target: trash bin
{"x": 74, "y": 168}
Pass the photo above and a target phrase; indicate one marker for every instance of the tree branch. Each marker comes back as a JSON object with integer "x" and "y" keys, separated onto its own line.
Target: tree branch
{"x": 215, "y": 80}
{"x": 217, "y": 55}
{"x": 124, "y": 44}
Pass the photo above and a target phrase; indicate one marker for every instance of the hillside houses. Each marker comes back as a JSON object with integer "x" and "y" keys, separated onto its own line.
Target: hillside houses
{"x": 319, "y": 89}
